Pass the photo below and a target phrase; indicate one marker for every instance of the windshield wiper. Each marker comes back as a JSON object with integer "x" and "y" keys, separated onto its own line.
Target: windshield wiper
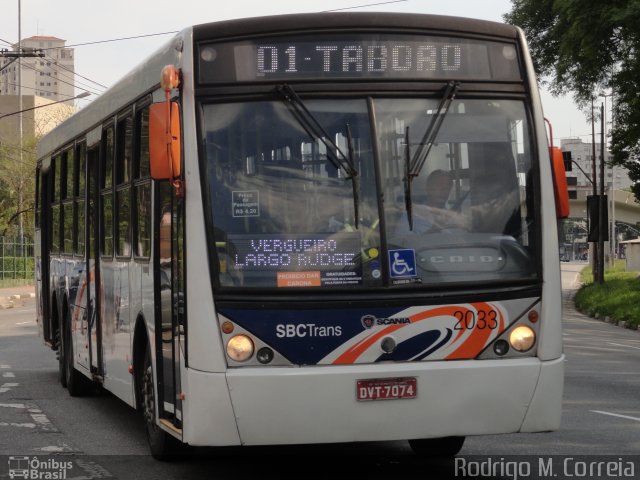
{"x": 355, "y": 182}
{"x": 312, "y": 127}
{"x": 408, "y": 205}
{"x": 413, "y": 166}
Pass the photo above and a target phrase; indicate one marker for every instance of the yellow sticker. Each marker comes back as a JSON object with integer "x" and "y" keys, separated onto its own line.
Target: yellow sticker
{"x": 373, "y": 253}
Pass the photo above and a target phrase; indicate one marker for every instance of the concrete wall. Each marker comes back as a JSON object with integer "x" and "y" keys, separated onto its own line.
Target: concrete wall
{"x": 633, "y": 256}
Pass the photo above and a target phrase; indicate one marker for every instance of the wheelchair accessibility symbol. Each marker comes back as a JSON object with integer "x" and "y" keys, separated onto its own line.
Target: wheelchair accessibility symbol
{"x": 402, "y": 263}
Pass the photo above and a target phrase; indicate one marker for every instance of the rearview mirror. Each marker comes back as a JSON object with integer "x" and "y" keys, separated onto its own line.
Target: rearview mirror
{"x": 164, "y": 140}
{"x": 559, "y": 182}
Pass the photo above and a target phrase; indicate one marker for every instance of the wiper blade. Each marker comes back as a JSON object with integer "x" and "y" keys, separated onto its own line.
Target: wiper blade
{"x": 432, "y": 130}
{"x": 413, "y": 166}
{"x": 312, "y": 127}
{"x": 408, "y": 204}
{"x": 355, "y": 181}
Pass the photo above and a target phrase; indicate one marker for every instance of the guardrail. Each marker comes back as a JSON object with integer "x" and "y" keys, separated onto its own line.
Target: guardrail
{"x": 16, "y": 258}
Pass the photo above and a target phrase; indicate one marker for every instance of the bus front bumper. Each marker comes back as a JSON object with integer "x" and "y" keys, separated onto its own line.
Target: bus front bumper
{"x": 266, "y": 406}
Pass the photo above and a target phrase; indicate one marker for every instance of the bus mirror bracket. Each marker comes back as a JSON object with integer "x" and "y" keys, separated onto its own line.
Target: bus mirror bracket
{"x": 165, "y": 134}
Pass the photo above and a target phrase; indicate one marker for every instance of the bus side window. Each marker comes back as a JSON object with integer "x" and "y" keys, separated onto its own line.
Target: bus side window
{"x": 141, "y": 212}
{"x": 106, "y": 193}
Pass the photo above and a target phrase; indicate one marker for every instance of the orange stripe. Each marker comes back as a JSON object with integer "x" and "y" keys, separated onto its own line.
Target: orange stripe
{"x": 351, "y": 355}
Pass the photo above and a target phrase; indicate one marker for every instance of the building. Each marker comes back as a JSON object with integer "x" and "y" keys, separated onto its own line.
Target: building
{"x": 50, "y": 76}
{"x": 581, "y": 153}
{"x": 632, "y": 255}
{"x": 36, "y": 121}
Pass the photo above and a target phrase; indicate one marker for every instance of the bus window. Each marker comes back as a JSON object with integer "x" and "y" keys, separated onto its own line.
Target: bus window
{"x": 482, "y": 150}
{"x": 276, "y": 191}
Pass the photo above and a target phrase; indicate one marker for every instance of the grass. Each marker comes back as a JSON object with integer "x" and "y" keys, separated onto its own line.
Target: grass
{"x": 617, "y": 298}
{"x": 16, "y": 282}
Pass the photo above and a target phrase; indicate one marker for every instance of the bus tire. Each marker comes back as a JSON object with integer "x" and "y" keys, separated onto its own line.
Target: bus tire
{"x": 162, "y": 445}
{"x": 62, "y": 369}
{"x": 437, "y": 447}
{"x": 77, "y": 384}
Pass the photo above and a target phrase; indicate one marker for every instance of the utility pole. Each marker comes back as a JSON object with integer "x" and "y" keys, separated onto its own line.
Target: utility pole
{"x": 602, "y": 228}
{"x": 594, "y": 260}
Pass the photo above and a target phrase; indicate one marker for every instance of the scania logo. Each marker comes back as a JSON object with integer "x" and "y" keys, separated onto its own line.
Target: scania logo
{"x": 368, "y": 321}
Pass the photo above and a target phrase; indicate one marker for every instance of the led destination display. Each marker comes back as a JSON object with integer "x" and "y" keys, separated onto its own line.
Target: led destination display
{"x": 358, "y": 56}
{"x": 298, "y": 260}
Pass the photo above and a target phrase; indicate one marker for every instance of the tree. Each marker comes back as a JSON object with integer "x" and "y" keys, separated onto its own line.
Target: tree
{"x": 17, "y": 187}
{"x": 18, "y": 171}
{"x": 586, "y": 47}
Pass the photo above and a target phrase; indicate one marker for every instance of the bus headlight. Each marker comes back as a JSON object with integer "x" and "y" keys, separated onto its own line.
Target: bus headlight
{"x": 240, "y": 348}
{"x": 522, "y": 338}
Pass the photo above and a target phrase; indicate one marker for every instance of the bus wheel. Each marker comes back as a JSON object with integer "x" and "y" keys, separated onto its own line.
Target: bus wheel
{"x": 163, "y": 446}
{"x": 437, "y": 447}
{"x": 77, "y": 384}
{"x": 62, "y": 365}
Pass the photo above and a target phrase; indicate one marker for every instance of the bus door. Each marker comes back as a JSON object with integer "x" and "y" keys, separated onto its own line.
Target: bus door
{"x": 42, "y": 260}
{"x": 94, "y": 330}
{"x": 169, "y": 295}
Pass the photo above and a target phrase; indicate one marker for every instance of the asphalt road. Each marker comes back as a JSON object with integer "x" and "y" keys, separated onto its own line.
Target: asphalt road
{"x": 105, "y": 438}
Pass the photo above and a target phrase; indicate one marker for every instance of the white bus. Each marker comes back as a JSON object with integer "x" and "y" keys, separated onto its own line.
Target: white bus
{"x": 315, "y": 228}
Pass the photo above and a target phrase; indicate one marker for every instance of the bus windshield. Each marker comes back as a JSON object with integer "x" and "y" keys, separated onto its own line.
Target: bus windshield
{"x": 282, "y": 211}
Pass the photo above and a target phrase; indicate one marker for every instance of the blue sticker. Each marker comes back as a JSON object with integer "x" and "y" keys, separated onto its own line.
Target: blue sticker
{"x": 402, "y": 263}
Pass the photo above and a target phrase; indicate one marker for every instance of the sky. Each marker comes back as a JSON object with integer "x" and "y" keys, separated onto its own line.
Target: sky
{"x": 84, "y": 21}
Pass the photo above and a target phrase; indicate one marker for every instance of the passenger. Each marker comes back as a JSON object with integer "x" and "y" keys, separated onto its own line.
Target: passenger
{"x": 429, "y": 210}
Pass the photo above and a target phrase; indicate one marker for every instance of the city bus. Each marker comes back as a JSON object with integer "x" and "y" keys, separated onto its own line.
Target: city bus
{"x": 311, "y": 228}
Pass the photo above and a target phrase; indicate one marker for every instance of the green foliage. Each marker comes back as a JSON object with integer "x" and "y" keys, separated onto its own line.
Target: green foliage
{"x": 17, "y": 187}
{"x": 618, "y": 297}
{"x": 586, "y": 47}
{"x": 16, "y": 267}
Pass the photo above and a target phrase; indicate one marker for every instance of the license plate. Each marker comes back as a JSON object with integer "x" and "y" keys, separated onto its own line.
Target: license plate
{"x": 386, "y": 389}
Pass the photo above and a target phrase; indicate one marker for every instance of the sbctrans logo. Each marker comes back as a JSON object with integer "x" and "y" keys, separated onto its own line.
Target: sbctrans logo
{"x": 36, "y": 469}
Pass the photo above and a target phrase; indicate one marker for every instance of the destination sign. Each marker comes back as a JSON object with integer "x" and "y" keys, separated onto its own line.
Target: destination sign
{"x": 298, "y": 260}
{"x": 358, "y": 56}
{"x": 295, "y": 252}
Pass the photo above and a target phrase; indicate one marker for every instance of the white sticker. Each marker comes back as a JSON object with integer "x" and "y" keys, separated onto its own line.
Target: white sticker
{"x": 246, "y": 203}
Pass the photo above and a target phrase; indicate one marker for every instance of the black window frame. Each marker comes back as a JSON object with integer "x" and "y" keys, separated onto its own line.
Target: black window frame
{"x": 106, "y": 190}
{"x": 66, "y": 201}
{"x": 79, "y": 228}
{"x": 140, "y": 180}
{"x": 122, "y": 180}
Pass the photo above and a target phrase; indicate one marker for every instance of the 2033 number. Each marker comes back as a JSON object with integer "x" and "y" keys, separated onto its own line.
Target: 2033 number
{"x": 468, "y": 320}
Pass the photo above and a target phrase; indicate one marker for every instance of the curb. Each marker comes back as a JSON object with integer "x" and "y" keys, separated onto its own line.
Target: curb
{"x": 605, "y": 319}
{"x": 11, "y": 301}
{"x": 619, "y": 323}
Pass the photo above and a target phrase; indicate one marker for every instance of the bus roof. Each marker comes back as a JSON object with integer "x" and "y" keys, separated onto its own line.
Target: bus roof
{"x": 377, "y": 21}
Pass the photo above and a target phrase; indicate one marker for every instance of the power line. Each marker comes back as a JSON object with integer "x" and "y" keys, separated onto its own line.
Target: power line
{"x": 36, "y": 89}
{"x": 117, "y": 39}
{"x": 60, "y": 66}
{"x": 361, "y": 6}
{"x": 59, "y": 79}
{"x": 75, "y": 73}
{"x": 57, "y": 66}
